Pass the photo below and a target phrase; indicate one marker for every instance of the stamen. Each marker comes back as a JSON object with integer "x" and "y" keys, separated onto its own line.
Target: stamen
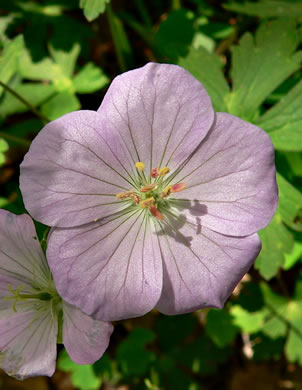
{"x": 163, "y": 171}
{"x": 154, "y": 172}
{"x": 178, "y": 187}
{"x": 139, "y": 165}
{"x": 155, "y": 212}
{"x": 166, "y": 192}
{"x": 128, "y": 194}
{"x": 147, "y": 188}
{"x": 147, "y": 202}
{"x": 135, "y": 198}
{"x": 124, "y": 195}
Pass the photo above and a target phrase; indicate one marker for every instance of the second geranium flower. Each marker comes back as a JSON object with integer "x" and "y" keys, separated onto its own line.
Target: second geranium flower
{"x": 155, "y": 200}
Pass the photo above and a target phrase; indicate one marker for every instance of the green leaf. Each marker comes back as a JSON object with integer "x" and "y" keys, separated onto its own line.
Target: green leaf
{"x": 265, "y": 348}
{"x": 276, "y": 240}
{"x": 5, "y": 21}
{"x": 175, "y": 34}
{"x": 90, "y": 79}
{"x": 216, "y": 30}
{"x": 207, "y": 68}
{"x": 248, "y": 322}
{"x": 132, "y": 355}
{"x": 267, "y": 8}
{"x": 47, "y": 69}
{"x": 220, "y": 327}
{"x": 3, "y": 202}
{"x": 292, "y": 258}
{"x": 8, "y": 59}
{"x": 66, "y": 60}
{"x": 290, "y": 204}
{"x": 93, "y": 8}
{"x": 276, "y": 306}
{"x": 19, "y": 132}
{"x": 295, "y": 161}
{"x": 283, "y": 121}
{"x": 201, "y": 356}
{"x": 3, "y": 148}
{"x": 60, "y": 104}
{"x": 32, "y": 92}
{"x": 259, "y": 66}
{"x": 82, "y": 376}
{"x": 42, "y": 70}
{"x": 293, "y": 348}
{"x": 172, "y": 331}
{"x": 274, "y": 327}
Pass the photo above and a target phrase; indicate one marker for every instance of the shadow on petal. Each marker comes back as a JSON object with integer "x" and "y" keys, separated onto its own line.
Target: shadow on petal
{"x": 175, "y": 220}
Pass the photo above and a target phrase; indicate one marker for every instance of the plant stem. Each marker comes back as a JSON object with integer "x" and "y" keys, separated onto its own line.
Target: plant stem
{"x": 43, "y": 118}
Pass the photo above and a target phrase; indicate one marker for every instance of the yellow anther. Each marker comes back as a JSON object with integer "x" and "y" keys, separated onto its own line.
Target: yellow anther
{"x": 166, "y": 192}
{"x": 139, "y": 165}
{"x": 147, "y": 188}
{"x": 163, "y": 171}
{"x": 147, "y": 202}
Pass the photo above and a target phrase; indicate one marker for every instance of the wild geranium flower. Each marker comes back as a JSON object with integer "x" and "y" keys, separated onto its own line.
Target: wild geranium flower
{"x": 155, "y": 199}
{"x": 32, "y": 314}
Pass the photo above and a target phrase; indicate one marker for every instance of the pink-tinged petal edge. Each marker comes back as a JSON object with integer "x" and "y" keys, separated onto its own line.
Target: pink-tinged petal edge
{"x": 84, "y": 338}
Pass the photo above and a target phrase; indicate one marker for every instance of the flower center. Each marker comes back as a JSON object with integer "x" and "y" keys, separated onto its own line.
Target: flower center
{"x": 41, "y": 295}
{"x": 152, "y": 192}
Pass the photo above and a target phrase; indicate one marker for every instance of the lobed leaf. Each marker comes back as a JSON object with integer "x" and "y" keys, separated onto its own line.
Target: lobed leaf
{"x": 276, "y": 241}
{"x": 90, "y": 79}
{"x": 283, "y": 121}
{"x": 207, "y": 68}
{"x": 8, "y": 59}
{"x": 290, "y": 204}
{"x": 82, "y": 376}
{"x": 267, "y": 8}
{"x": 260, "y": 65}
{"x": 93, "y": 8}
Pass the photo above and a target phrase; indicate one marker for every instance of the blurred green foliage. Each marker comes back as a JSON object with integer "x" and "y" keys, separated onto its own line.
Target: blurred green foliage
{"x": 60, "y": 55}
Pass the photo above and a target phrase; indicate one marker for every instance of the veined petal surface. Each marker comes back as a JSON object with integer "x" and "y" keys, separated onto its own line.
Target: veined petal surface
{"x": 201, "y": 267}
{"x": 28, "y": 344}
{"x": 231, "y": 179}
{"x": 160, "y": 111}
{"x": 84, "y": 338}
{"x": 73, "y": 170}
{"x": 22, "y": 261}
{"x": 110, "y": 269}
